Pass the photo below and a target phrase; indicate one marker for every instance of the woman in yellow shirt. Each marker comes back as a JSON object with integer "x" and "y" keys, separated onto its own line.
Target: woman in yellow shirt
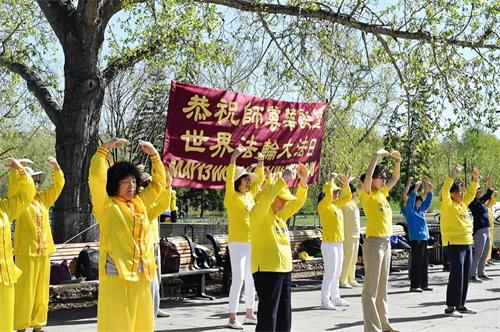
{"x": 33, "y": 245}
{"x": 271, "y": 252}
{"x": 456, "y": 232}
{"x": 332, "y": 220}
{"x": 377, "y": 246}
{"x": 10, "y": 209}
{"x": 126, "y": 259}
{"x": 239, "y": 200}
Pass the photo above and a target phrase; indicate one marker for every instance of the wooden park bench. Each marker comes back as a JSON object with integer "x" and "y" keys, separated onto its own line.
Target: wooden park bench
{"x": 70, "y": 252}
{"x": 297, "y": 237}
{"x": 188, "y": 267}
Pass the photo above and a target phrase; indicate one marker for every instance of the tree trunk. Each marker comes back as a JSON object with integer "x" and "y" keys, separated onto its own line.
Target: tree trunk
{"x": 77, "y": 140}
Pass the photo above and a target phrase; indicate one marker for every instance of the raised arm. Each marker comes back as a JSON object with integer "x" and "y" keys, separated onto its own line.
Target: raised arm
{"x": 98, "y": 175}
{"x": 257, "y": 185}
{"x": 406, "y": 188}
{"x": 25, "y": 192}
{"x": 472, "y": 190}
{"x": 158, "y": 176}
{"x": 344, "y": 179}
{"x": 397, "y": 167}
{"x": 50, "y": 195}
{"x": 429, "y": 188}
{"x": 294, "y": 206}
{"x": 268, "y": 195}
{"x": 367, "y": 182}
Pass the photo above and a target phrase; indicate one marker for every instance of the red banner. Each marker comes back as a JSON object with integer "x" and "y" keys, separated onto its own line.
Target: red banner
{"x": 205, "y": 125}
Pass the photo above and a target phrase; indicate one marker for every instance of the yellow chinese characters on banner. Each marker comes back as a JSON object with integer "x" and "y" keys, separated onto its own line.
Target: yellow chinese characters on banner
{"x": 205, "y": 126}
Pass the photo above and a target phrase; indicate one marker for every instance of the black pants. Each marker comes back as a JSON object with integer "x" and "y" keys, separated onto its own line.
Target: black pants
{"x": 418, "y": 269}
{"x": 275, "y": 306}
{"x": 460, "y": 257}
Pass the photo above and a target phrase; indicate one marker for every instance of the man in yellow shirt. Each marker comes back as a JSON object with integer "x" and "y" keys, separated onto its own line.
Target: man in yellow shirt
{"x": 271, "y": 252}
{"x": 33, "y": 245}
{"x": 10, "y": 209}
{"x": 126, "y": 259}
{"x": 377, "y": 246}
{"x": 456, "y": 232}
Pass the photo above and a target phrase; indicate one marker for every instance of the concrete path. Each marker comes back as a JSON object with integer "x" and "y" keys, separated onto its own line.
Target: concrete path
{"x": 408, "y": 311}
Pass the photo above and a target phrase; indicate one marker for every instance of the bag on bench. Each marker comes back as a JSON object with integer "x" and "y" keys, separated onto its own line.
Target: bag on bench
{"x": 313, "y": 246}
{"x": 170, "y": 258}
{"x": 59, "y": 273}
{"x": 87, "y": 265}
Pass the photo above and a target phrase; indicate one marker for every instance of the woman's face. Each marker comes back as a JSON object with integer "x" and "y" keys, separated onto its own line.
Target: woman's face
{"x": 127, "y": 188}
{"x": 244, "y": 184}
{"x": 379, "y": 182}
{"x": 457, "y": 196}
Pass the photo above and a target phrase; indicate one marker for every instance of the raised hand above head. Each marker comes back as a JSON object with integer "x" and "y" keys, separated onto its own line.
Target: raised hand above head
{"x": 115, "y": 143}
{"x": 53, "y": 162}
{"x": 237, "y": 152}
{"x": 13, "y": 163}
{"x": 344, "y": 179}
{"x": 475, "y": 174}
{"x": 148, "y": 147}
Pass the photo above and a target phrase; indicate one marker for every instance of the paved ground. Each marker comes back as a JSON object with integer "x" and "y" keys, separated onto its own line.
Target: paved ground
{"x": 408, "y": 311}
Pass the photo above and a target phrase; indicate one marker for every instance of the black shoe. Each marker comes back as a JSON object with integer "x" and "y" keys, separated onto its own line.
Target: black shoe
{"x": 394, "y": 270}
{"x": 427, "y": 289}
{"x": 485, "y": 277}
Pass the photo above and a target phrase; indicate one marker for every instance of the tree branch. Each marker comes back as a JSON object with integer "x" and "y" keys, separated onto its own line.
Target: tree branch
{"x": 128, "y": 61}
{"x": 345, "y": 20}
{"x": 59, "y": 14}
{"x": 37, "y": 87}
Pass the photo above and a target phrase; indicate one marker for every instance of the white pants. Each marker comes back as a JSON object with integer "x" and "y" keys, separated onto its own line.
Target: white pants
{"x": 332, "y": 259}
{"x": 155, "y": 283}
{"x": 239, "y": 253}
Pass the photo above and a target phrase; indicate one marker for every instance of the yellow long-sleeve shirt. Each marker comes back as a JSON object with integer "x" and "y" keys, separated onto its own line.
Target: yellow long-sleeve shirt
{"x": 330, "y": 213}
{"x": 173, "y": 201}
{"x": 238, "y": 205}
{"x": 269, "y": 234}
{"x": 33, "y": 236}
{"x": 125, "y": 226}
{"x": 456, "y": 224}
{"x": 378, "y": 212}
{"x": 10, "y": 209}
{"x": 491, "y": 202}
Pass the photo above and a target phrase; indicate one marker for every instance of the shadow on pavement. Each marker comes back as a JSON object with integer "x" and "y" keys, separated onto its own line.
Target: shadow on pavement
{"x": 73, "y": 316}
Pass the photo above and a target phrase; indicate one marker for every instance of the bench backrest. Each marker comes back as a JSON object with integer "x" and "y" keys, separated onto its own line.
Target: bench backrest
{"x": 69, "y": 251}
{"x": 184, "y": 249}
{"x": 219, "y": 245}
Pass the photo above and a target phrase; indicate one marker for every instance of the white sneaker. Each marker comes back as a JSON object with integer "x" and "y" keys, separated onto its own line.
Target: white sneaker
{"x": 341, "y": 303}
{"x": 162, "y": 313}
{"x": 328, "y": 306}
{"x": 356, "y": 284}
{"x": 250, "y": 321}
{"x": 235, "y": 325}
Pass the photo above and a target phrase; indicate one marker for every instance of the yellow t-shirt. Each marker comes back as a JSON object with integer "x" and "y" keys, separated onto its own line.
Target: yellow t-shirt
{"x": 330, "y": 213}
{"x": 456, "y": 222}
{"x": 378, "y": 212}
{"x": 238, "y": 206}
{"x": 269, "y": 234}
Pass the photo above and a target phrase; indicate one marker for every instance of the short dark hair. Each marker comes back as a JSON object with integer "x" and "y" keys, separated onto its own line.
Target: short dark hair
{"x": 238, "y": 182}
{"x": 352, "y": 187}
{"x": 419, "y": 198}
{"x": 377, "y": 171}
{"x": 320, "y": 197}
{"x": 411, "y": 188}
{"x": 118, "y": 172}
{"x": 455, "y": 187}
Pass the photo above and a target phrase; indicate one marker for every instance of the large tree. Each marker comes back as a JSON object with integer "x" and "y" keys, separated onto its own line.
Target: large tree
{"x": 459, "y": 45}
